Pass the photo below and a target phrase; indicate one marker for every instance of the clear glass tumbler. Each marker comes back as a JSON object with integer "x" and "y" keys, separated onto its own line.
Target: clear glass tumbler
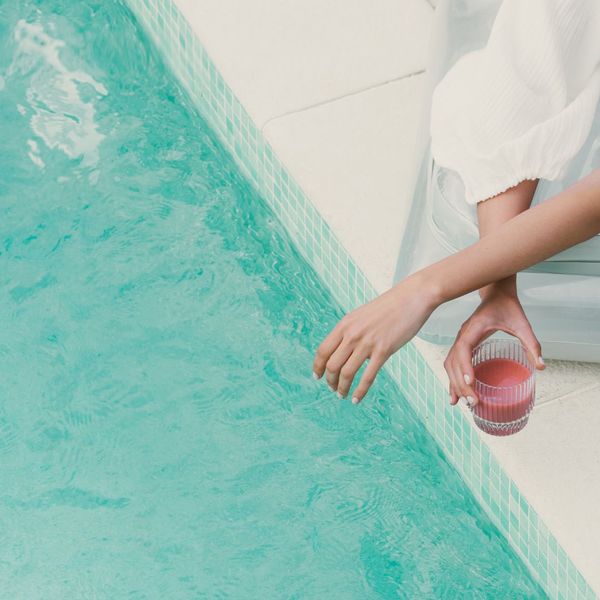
{"x": 505, "y": 386}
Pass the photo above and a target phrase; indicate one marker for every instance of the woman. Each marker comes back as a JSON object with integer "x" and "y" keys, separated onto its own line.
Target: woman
{"x": 517, "y": 110}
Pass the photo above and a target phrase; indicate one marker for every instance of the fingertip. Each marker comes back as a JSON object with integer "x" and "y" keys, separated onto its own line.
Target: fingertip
{"x": 537, "y": 361}
{"x": 355, "y": 400}
{"x": 453, "y": 395}
{"x": 535, "y": 357}
{"x": 471, "y": 401}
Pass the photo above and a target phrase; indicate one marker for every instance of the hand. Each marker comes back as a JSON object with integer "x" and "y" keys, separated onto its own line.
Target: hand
{"x": 373, "y": 332}
{"x": 500, "y": 310}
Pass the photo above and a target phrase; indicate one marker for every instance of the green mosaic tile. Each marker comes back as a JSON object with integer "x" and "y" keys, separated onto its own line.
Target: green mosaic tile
{"x": 453, "y": 431}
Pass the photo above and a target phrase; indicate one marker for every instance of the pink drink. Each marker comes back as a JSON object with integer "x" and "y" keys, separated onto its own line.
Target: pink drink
{"x": 505, "y": 385}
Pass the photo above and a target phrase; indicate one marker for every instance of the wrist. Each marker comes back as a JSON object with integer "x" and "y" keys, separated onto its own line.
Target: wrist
{"x": 504, "y": 287}
{"x": 428, "y": 288}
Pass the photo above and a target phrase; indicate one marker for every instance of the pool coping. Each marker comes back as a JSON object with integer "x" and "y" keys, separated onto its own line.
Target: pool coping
{"x": 500, "y": 497}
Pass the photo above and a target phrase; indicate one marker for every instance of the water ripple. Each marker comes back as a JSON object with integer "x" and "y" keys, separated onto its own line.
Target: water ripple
{"x": 73, "y": 497}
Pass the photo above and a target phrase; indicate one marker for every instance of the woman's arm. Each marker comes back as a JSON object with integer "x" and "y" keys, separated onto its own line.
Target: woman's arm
{"x": 569, "y": 218}
{"x": 376, "y": 330}
{"x": 500, "y": 308}
{"x": 496, "y": 211}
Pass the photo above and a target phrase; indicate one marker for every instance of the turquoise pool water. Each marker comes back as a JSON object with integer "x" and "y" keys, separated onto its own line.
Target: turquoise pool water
{"x": 160, "y": 434}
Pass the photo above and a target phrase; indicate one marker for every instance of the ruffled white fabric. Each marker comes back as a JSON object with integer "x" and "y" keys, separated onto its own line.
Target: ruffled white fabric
{"x": 522, "y": 106}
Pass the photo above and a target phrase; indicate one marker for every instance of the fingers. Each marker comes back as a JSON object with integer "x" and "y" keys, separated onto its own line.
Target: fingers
{"x": 325, "y": 350}
{"x": 495, "y": 314}
{"x": 465, "y": 374}
{"x": 459, "y": 382}
{"x": 453, "y": 390}
{"x": 532, "y": 344}
{"x": 349, "y": 370}
{"x": 345, "y": 362}
{"x": 459, "y": 365}
{"x": 341, "y": 355}
{"x": 459, "y": 368}
{"x": 453, "y": 395}
{"x": 338, "y": 363}
{"x": 375, "y": 363}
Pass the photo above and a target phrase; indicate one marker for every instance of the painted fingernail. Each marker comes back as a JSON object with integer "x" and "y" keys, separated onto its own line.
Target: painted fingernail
{"x": 467, "y": 379}
{"x": 541, "y": 360}
{"x": 470, "y": 401}
{"x": 315, "y": 376}
{"x": 339, "y": 395}
{"x": 355, "y": 400}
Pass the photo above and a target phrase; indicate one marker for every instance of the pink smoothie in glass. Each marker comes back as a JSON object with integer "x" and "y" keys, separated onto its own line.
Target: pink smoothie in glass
{"x": 502, "y": 405}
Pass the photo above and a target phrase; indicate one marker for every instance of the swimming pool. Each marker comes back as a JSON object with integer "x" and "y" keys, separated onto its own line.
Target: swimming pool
{"x": 160, "y": 434}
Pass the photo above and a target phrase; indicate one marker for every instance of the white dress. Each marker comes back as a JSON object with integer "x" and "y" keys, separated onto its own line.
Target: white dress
{"x": 522, "y": 106}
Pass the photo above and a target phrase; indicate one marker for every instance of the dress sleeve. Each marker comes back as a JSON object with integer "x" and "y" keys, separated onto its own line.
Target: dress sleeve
{"x": 522, "y": 106}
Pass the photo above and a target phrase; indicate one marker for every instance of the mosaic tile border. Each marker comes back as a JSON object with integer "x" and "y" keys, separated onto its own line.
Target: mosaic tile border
{"x": 496, "y": 492}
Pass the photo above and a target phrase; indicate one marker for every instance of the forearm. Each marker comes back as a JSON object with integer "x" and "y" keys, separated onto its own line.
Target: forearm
{"x": 496, "y": 211}
{"x": 569, "y": 218}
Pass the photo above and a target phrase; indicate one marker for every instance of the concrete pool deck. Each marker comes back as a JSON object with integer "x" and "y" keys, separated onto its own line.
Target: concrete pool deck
{"x": 336, "y": 89}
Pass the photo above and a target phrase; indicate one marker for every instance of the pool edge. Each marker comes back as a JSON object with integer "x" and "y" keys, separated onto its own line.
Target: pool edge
{"x": 495, "y": 491}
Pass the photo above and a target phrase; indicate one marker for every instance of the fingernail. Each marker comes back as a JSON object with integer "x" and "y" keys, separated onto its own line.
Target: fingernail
{"x": 339, "y": 395}
{"x": 470, "y": 401}
{"x": 467, "y": 379}
{"x": 462, "y": 399}
{"x": 541, "y": 360}
{"x": 315, "y": 376}
{"x": 355, "y": 400}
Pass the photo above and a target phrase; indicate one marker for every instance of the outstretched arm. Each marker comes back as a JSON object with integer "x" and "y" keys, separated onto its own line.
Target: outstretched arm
{"x": 376, "y": 330}
{"x": 560, "y": 223}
